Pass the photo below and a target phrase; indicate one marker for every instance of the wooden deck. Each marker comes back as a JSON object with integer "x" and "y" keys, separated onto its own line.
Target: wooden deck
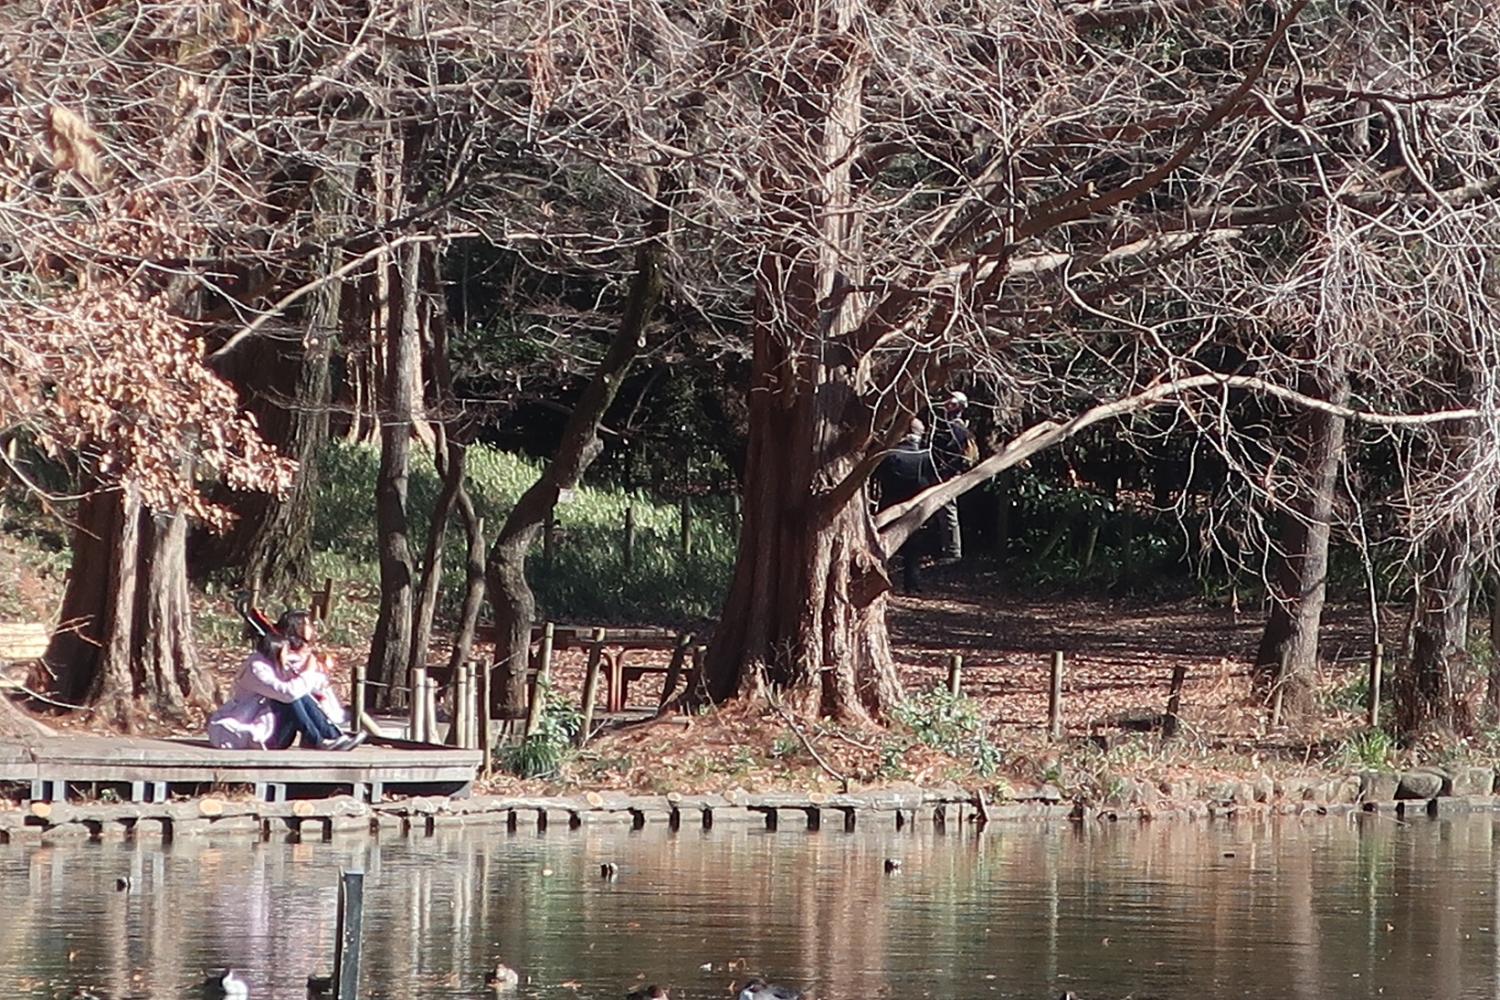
{"x": 147, "y": 770}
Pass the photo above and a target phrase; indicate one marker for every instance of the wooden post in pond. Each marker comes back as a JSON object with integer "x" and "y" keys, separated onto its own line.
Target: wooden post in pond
{"x": 1372, "y": 697}
{"x": 687, "y": 527}
{"x": 1054, "y": 699}
{"x": 538, "y": 688}
{"x": 482, "y": 704}
{"x": 955, "y": 674}
{"x": 416, "y": 709}
{"x": 674, "y": 669}
{"x": 627, "y": 547}
{"x": 1174, "y": 700}
{"x": 348, "y": 934}
{"x": 591, "y": 685}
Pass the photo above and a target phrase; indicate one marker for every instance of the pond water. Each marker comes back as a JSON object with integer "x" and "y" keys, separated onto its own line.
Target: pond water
{"x": 1326, "y": 908}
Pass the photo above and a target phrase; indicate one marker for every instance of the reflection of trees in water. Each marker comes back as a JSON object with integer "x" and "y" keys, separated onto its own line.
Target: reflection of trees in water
{"x": 1300, "y": 910}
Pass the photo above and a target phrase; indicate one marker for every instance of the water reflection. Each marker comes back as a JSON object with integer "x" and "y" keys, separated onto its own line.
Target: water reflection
{"x": 1318, "y": 908}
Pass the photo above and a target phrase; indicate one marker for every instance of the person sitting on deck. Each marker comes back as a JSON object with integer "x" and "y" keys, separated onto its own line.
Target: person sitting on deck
{"x": 272, "y": 704}
{"x": 300, "y": 631}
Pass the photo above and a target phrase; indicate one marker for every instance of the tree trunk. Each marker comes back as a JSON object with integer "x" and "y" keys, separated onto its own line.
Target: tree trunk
{"x": 125, "y": 646}
{"x": 391, "y": 648}
{"x": 505, "y": 570}
{"x": 1432, "y": 686}
{"x": 1492, "y": 686}
{"x": 806, "y": 607}
{"x": 1291, "y": 633}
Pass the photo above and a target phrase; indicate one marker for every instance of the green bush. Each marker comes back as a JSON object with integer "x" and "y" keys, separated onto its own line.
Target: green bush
{"x": 951, "y": 723}
{"x": 541, "y": 754}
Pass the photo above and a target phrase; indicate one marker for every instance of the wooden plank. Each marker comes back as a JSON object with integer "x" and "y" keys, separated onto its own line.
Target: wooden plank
{"x": 24, "y": 640}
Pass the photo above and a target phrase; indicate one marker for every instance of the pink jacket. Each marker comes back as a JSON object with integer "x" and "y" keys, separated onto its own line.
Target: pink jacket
{"x": 247, "y": 721}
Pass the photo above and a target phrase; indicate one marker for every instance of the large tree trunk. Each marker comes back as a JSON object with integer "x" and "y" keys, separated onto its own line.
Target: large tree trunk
{"x": 505, "y": 571}
{"x": 125, "y": 644}
{"x": 806, "y": 608}
{"x": 391, "y": 647}
{"x": 1432, "y": 686}
{"x": 1290, "y": 640}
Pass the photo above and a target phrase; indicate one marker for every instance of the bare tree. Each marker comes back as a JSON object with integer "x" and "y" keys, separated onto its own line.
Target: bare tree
{"x": 1082, "y": 211}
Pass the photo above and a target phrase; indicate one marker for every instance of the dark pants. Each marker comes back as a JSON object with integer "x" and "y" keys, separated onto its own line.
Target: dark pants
{"x": 302, "y": 718}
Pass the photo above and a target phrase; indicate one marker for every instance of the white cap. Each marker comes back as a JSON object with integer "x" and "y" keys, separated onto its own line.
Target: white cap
{"x": 959, "y": 398}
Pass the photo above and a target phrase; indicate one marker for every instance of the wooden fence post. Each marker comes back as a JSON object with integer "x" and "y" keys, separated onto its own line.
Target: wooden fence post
{"x": 458, "y": 733}
{"x": 628, "y": 545}
{"x": 543, "y": 669}
{"x": 955, "y": 673}
{"x": 591, "y": 685}
{"x": 1054, "y": 699}
{"x": 486, "y": 736}
{"x": 416, "y": 707}
{"x": 1174, "y": 700}
{"x": 1372, "y": 697}
{"x": 429, "y": 710}
{"x": 349, "y": 931}
{"x": 687, "y": 527}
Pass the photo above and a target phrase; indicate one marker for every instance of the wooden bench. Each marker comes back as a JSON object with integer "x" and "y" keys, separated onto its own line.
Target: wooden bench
{"x": 21, "y": 645}
{"x": 617, "y": 646}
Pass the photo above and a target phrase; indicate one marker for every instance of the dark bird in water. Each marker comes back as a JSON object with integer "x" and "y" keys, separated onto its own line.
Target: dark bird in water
{"x": 759, "y": 989}
{"x": 609, "y": 869}
{"x": 122, "y": 884}
{"x": 652, "y": 992}
{"x": 227, "y": 985}
{"x": 319, "y": 986}
{"x": 892, "y": 865}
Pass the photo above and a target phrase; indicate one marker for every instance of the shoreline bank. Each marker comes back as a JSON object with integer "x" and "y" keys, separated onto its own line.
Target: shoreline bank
{"x": 947, "y": 810}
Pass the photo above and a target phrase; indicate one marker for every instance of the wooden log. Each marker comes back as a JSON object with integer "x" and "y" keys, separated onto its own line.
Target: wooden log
{"x": 1372, "y": 697}
{"x": 349, "y": 932}
{"x": 1174, "y": 700}
{"x": 1054, "y": 699}
{"x": 543, "y": 671}
{"x": 955, "y": 674}
{"x": 674, "y": 669}
{"x": 591, "y": 685}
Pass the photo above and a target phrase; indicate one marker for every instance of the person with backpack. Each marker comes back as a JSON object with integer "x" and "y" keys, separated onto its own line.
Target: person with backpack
{"x": 905, "y": 472}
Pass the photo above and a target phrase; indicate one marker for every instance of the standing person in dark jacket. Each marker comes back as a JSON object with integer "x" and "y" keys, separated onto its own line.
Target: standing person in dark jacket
{"x": 907, "y": 471}
{"x": 953, "y": 451}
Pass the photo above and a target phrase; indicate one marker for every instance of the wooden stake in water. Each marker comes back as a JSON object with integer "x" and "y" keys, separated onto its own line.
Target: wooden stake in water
{"x": 955, "y": 674}
{"x": 350, "y": 929}
{"x": 1372, "y": 697}
{"x": 591, "y": 685}
{"x": 1054, "y": 699}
